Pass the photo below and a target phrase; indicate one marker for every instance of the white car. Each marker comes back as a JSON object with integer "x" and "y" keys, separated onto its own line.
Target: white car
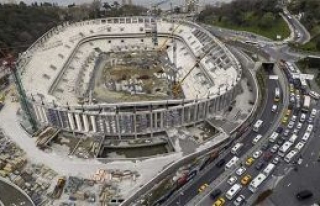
{"x": 275, "y": 148}
{"x": 291, "y": 124}
{"x": 257, "y": 154}
{"x": 232, "y": 180}
{"x": 295, "y": 131}
{"x": 303, "y": 117}
{"x": 240, "y": 171}
{"x": 299, "y": 125}
{"x": 274, "y": 108}
{"x": 239, "y": 201}
{"x": 275, "y": 160}
{"x": 309, "y": 128}
{"x": 294, "y": 118}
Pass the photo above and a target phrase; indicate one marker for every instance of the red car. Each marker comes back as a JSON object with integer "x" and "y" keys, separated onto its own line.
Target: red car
{"x": 267, "y": 156}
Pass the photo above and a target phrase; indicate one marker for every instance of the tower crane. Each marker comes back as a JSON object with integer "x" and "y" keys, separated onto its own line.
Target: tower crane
{"x": 23, "y": 97}
{"x": 176, "y": 89}
{"x": 154, "y": 14}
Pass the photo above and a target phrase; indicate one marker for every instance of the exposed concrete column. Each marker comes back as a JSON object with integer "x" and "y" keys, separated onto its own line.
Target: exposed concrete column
{"x": 135, "y": 124}
{"x": 79, "y": 125}
{"x": 71, "y": 121}
{"x": 155, "y": 121}
{"x": 182, "y": 115}
{"x": 37, "y": 113}
{"x": 93, "y": 123}
{"x": 85, "y": 122}
{"x": 118, "y": 129}
{"x": 161, "y": 119}
{"x": 151, "y": 123}
{"x": 189, "y": 113}
{"x": 44, "y": 113}
{"x": 195, "y": 112}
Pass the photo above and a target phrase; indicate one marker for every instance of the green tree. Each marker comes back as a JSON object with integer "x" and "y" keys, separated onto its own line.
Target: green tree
{"x": 267, "y": 20}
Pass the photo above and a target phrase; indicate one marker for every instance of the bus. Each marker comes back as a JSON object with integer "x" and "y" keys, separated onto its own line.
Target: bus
{"x": 233, "y": 191}
{"x": 257, "y": 125}
{"x": 306, "y": 103}
{"x": 277, "y": 94}
{"x": 232, "y": 163}
{"x": 267, "y": 171}
{"x": 293, "y": 138}
{"x": 290, "y": 156}
{"x": 274, "y": 136}
{"x": 256, "y": 182}
{"x": 235, "y": 150}
{"x": 284, "y": 148}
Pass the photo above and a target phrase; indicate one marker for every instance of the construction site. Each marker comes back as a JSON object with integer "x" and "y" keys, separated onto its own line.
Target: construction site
{"x": 139, "y": 75}
{"x": 106, "y": 104}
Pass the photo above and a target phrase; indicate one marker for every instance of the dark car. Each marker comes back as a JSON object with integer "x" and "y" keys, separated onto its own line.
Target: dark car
{"x": 267, "y": 156}
{"x": 260, "y": 165}
{"x": 304, "y": 194}
{"x": 279, "y": 130}
{"x": 215, "y": 193}
{"x": 265, "y": 146}
{"x": 280, "y": 141}
{"x": 220, "y": 163}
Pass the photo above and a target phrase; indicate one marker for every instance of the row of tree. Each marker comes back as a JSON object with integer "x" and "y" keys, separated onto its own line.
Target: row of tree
{"x": 21, "y": 24}
{"x": 243, "y": 13}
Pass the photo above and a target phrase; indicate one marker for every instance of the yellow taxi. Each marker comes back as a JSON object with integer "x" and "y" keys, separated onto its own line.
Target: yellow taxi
{"x": 203, "y": 187}
{"x": 219, "y": 202}
{"x": 288, "y": 112}
{"x": 284, "y": 119}
{"x": 246, "y": 179}
{"x": 249, "y": 161}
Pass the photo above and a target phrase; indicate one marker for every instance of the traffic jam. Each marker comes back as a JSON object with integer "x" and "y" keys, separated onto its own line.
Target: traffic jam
{"x": 283, "y": 146}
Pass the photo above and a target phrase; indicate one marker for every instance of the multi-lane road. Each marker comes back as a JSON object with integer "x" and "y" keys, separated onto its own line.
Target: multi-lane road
{"x": 209, "y": 175}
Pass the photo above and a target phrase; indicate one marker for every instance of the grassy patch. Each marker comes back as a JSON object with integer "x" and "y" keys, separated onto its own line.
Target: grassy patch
{"x": 310, "y": 46}
{"x": 279, "y": 27}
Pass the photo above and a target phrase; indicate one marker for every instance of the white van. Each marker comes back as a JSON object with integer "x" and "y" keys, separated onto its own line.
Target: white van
{"x": 257, "y": 139}
{"x": 288, "y": 158}
{"x": 267, "y": 171}
{"x": 299, "y": 146}
{"x": 293, "y": 138}
{"x": 309, "y": 128}
{"x": 236, "y": 148}
{"x": 233, "y": 191}
{"x": 232, "y": 163}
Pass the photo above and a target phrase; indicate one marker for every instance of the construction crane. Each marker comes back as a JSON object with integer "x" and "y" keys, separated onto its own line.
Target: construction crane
{"x": 176, "y": 89}
{"x": 23, "y": 97}
{"x": 154, "y": 29}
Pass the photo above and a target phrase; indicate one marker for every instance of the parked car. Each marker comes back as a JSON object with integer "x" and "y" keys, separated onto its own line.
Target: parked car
{"x": 260, "y": 165}
{"x": 304, "y": 194}
{"x": 220, "y": 163}
{"x": 274, "y": 148}
{"x": 215, "y": 193}
{"x": 240, "y": 171}
{"x": 232, "y": 180}
{"x": 257, "y": 154}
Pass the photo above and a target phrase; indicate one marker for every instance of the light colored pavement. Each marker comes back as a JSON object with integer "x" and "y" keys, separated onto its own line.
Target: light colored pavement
{"x": 74, "y": 166}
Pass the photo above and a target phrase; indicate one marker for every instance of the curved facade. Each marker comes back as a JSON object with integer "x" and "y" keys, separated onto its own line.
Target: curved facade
{"x": 61, "y": 64}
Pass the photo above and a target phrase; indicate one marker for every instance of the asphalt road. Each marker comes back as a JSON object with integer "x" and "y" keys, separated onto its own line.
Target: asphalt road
{"x": 192, "y": 190}
{"x": 10, "y": 196}
{"x": 292, "y": 183}
{"x": 307, "y": 176}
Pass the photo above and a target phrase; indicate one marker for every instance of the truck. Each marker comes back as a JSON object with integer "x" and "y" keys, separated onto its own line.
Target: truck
{"x": 306, "y": 103}
{"x": 58, "y": 189}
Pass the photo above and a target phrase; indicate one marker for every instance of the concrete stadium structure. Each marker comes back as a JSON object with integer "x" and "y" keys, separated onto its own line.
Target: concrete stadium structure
{"x": 57, "y": 67}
